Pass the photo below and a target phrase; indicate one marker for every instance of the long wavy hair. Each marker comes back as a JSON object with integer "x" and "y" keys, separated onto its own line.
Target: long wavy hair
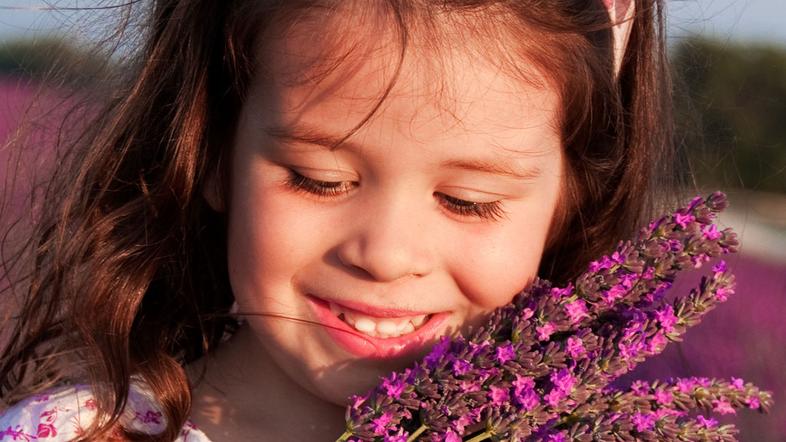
{"x": 125, "y": 271}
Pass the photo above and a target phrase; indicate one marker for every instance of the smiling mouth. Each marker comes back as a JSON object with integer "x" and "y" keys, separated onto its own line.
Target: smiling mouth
{"x": 375, "y": 332}
{"x": 382, "y": 328}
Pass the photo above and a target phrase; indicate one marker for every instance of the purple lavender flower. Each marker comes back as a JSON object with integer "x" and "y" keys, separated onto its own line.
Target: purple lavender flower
{"x": 664, "y": 397}
{"x": 560, "y": 292}
{"x": 575, "y": 348}
{"x": 498, "y": 395}
{"x": 452, "y": 437}
{"x": 542, "y": 365}
{"x": 707, "y": 423}
{"x": 683, "y": 220}
{"x": 524, "y": 394}
{"x": 723, "y": 407}
{"x": 643, "y": 421}
{"x": 381, "y": 423}
{"x": 462, "y": 367}
{"x": 711, "y": 232}
{"x": 505, "y": 353}
{"x": 399, "y": 437}
{"x": 393, "y": 385}
{"x": 558, "y": 437}
{"x": 576, "y": 310}
{"x": 723, "y": 293}
{"x": 666, "y": 318}
{"x": 545, "y": 330}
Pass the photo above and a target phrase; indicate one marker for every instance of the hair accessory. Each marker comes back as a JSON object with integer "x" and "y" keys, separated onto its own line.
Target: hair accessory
{"x": 621, "y": 13}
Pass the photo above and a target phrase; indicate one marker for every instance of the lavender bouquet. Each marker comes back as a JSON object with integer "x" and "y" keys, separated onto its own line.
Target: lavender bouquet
{"x": 542, "y": 367}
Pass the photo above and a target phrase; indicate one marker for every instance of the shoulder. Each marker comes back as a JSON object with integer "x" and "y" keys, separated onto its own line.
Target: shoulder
{"x": 55, "y": 415}
{"x": 63, "y": 414}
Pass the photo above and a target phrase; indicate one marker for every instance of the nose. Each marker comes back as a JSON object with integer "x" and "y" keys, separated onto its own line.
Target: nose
{"x": 388, "y": 243}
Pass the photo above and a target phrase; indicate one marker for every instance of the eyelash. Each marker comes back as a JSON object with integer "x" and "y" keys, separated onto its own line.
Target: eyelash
{"x": 330, "y": 189}
{"x": 325, "y": 189}
{"x": 488, "y": 211}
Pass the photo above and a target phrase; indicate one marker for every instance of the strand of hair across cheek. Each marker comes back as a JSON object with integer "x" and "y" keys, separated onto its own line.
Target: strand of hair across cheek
{"x": 305, "y": 322}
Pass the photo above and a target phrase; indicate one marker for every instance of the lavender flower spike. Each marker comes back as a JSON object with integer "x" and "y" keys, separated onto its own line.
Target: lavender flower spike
{"x": 541, "y": 367}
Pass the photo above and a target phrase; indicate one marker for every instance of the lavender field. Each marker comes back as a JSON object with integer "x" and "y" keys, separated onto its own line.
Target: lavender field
{"x": 22, "y": 117}
{"x": 14, "y": 98}
{"x": 745, "y": 337}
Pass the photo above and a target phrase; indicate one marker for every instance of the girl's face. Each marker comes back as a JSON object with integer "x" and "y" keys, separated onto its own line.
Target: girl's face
{"x": 435, "y": 212}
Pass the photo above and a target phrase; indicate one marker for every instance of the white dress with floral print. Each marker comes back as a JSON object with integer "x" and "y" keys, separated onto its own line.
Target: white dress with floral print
{"x": 63, "y": 414}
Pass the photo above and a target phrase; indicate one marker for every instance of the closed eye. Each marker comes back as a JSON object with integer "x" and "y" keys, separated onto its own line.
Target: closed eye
{"x": 320, "y": 188}
{"x": 489, "y": 211}
{"x": 332, "y": 189}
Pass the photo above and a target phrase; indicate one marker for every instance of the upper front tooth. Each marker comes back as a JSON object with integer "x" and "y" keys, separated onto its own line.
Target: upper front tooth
{"x": 365, "y": 325}
{"x": 379, "y": 326}
{"x": 386, "y": 327}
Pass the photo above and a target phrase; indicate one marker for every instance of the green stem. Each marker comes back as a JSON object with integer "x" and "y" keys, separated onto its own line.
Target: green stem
{"x": 417, "y": 433}
{"x": 482, "y": 436}
{"x": 344, "y": 436}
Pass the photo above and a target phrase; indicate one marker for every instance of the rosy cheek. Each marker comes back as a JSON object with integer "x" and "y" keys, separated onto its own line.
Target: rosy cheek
{"x": 263, "y": 242}
{"x": 492, "y": 267}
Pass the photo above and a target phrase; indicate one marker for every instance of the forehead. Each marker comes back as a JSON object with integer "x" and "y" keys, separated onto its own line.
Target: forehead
{"x": 450, "y": 77}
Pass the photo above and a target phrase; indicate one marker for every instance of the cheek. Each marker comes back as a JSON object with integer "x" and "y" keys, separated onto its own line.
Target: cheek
{"x": 270, "y": 240}
{"x": 490, "y": 273}
{"x": 493, "y": 266}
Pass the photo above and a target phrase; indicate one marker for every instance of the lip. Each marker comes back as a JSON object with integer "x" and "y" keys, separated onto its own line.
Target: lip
{"x": 378, "y": 312}
{"x": 365, "y": 346}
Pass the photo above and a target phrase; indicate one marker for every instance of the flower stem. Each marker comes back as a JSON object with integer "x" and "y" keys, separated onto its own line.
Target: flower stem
{"x": 482, "y": 436}
{"x": 417, "y": 433}
{"x": 344, "y": 436}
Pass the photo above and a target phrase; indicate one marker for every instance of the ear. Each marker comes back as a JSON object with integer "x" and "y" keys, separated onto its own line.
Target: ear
{"x": 621, "y": 13}
{"x": 211, "y": 192}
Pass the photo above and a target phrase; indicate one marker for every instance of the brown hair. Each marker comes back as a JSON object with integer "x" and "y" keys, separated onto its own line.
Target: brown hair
{"x": 127, "y": 261}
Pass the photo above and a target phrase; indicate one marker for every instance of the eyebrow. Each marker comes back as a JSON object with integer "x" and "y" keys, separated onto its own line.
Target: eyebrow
{"x": 309, "y": 135}
{"x": 493, "y": 168}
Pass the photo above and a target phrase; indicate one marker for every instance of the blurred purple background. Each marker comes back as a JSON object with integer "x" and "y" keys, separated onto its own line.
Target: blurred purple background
{"x": 744, "y": 337}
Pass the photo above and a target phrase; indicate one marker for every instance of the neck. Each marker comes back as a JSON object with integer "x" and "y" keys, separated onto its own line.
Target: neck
{"x": 245, "y": 396}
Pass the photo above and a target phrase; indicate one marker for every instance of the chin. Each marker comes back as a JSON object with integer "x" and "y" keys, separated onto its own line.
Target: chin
{"x": 341, "y": 381}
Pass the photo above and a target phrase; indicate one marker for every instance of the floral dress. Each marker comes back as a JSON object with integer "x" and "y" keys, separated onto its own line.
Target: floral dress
{"x": 64, "y": 414}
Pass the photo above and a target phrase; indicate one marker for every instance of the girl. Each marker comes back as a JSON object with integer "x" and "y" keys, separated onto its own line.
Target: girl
{"x": 356, "y": 177}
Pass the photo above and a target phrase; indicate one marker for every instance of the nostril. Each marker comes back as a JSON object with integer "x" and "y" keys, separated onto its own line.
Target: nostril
{"x": 381, "y": 254}
{"x": 382, "y": 273}
{"x": 360, "y": 269}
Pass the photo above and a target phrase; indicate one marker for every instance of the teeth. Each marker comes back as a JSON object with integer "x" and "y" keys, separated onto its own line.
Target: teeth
{"x": 379, "y": 328}
{"x": 417, "y": 321}
{"x": 364, "y": 325}
{"x": 384, "y": 327}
